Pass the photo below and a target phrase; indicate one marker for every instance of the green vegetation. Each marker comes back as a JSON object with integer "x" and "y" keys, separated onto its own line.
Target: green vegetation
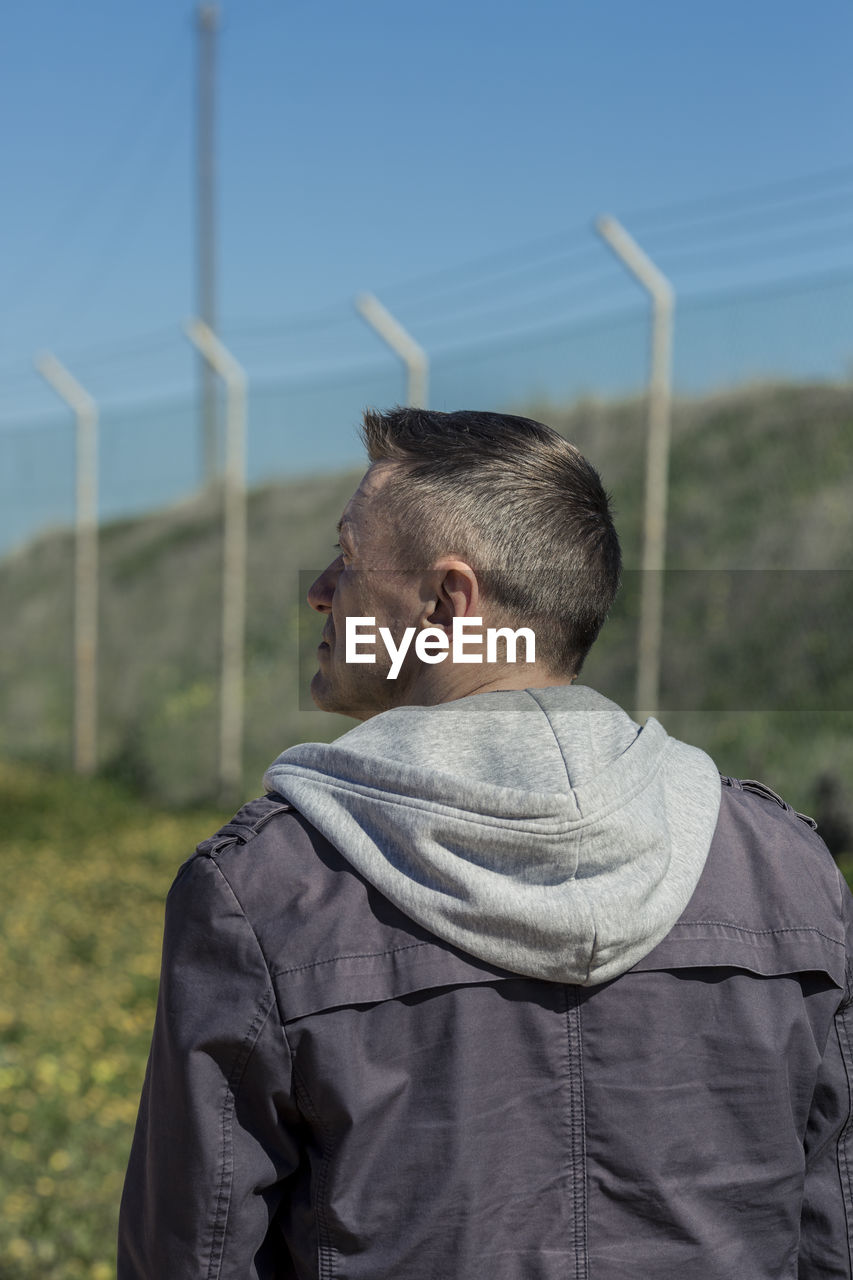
{"x": 86, "y": 869}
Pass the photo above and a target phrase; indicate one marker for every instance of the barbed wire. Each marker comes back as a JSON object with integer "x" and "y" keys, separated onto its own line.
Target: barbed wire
{"x": 798, "y": 218}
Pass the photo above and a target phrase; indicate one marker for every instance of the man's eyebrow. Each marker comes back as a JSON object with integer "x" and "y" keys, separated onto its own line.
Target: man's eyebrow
{"x": 343, "y": 528}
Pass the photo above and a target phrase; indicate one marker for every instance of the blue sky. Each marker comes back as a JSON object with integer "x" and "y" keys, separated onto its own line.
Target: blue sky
{"x": 362, "y": 144}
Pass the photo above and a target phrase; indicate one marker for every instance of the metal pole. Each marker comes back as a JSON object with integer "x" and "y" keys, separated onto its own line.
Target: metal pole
{"x": 400, "y": 341}
{"x": 234, "y": 555}
{"x": 657, "y": 460}
{"x": 208, "y": 22}
{"x": 85, "y": 559}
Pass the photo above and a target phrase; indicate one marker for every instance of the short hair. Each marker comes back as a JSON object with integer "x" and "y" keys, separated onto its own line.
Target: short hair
{"x": 515, "y": 500}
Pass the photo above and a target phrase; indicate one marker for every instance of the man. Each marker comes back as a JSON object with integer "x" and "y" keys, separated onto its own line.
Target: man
{"x": 500, "y": 985}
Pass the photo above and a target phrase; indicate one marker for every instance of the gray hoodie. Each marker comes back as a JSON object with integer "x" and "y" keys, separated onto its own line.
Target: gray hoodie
{"x": 541, "y": 830}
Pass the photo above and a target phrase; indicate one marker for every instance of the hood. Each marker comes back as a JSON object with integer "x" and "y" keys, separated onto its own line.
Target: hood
{"x": 541, "y": 830}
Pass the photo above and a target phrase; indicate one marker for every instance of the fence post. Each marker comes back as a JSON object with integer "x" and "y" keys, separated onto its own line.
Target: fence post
{"x": 657, "y": 461}
{"x": 233, "y": 557}
{"x": 85, "y": 559}
{"x": 400, "y": 341}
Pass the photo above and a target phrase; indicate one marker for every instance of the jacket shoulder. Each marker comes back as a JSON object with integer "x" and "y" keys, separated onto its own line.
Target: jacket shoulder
{"x": 771, "y": 842}
{"x": 328, "y": 936}
{"x": 247, "y": 822}
{"x": 272, "y": 856}
{"x": 770, "y": 898}
{"x": 752, "y": 787}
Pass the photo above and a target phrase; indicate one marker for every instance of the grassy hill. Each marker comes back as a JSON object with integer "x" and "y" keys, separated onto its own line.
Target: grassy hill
{"x": 758, "y": 605}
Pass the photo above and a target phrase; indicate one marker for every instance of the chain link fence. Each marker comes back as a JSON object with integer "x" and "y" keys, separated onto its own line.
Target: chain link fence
{"x": 761, "y": 473}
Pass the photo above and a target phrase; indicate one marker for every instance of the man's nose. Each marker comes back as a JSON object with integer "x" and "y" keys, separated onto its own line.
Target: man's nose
{"x": 322, "y": 589}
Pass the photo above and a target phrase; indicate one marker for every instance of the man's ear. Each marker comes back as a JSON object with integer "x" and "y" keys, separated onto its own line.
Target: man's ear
{"x": 457, "y": 594}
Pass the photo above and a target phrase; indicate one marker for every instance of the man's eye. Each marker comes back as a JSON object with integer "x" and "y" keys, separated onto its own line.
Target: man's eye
{"x": 336, "y": 545}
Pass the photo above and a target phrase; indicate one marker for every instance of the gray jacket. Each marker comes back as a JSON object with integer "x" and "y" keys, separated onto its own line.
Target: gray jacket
{"x": 509, "y": 988}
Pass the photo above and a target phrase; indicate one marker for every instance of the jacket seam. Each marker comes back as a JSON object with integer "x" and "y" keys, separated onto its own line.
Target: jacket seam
{"x": 325, "y": 1248}
{"x": 843, "y": 1137}
{"x": 213, "y": 855}
{"x": 577, "y": 1127}
{"x": 263, "y": 1009}
{"x": 742, "y": 928}
{"x": 358, "y": 955}
{"x": 232, "y": 1086}
{"x": 848, "y": 960}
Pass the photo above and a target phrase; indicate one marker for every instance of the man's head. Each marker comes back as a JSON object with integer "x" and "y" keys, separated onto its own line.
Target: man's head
{"x": 460, "y": 515}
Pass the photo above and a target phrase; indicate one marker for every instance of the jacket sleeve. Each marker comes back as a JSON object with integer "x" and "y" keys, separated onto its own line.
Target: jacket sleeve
{"x": 826, "y": 1231}
{"x": 217, "y": 1132}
